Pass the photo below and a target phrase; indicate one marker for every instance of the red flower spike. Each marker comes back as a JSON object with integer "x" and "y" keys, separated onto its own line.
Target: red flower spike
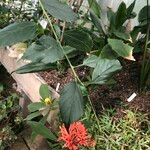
{"x": 76, "y": 137}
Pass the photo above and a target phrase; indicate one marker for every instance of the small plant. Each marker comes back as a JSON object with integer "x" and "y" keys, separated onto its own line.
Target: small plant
{"x": 129, "y": 132}
{"x": 72, "y": 136}
{"x": 10, "y": 119}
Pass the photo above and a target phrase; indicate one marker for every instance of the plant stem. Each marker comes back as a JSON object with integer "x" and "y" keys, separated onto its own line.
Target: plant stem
{"x": 57, "y": 39}
{"x": 145, "y": 63}
{"x": 71, "y": 66}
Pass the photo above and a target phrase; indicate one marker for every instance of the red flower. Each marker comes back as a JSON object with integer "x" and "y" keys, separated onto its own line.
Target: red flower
{"x": 76, "y": 136}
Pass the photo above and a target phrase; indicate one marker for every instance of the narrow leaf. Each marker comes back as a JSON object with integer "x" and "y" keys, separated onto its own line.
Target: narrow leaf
{"x": 121, "y": 15}
{"x": 35, "y": 106}
{"x": 33, "y": 115}
{"x": 95, "y": 7}
{"x": 40, "y": 129}
{"x": 35, "y": 67}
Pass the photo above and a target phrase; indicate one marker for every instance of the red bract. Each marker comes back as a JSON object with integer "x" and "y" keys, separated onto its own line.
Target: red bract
{"x": 76, "y": 137}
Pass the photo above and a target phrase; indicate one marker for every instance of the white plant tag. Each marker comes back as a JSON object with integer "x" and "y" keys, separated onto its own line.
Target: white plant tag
{"x": 131, "y": 97}
{"x": 57, "y": 88}
{"x": 43, "y": 23}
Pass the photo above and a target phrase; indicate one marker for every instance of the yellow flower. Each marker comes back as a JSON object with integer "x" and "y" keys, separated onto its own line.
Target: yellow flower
{"x": 48, "y": 101}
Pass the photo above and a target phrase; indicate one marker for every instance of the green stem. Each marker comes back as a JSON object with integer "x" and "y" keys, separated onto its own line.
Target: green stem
{"x": 71, "y": 66}
{"x": 145, "y": 63}
{"x": 57, "y": 39}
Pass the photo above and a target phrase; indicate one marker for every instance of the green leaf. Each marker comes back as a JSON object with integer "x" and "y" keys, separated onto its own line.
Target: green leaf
{"x": 17, "y": 32}
{"x": 143, "y": 16}
{"x": 130, "y": 10}
{"x": 35, "y": 106}
{"x": 123, "y": 50}
{"x": 1, "y": 87}
{"x": 33, "y": 115}
{"x": 121, "y": 15}
{"x": 104, "y": 70}
{"x": 95, "y": 7}
{"x": 71, "y": 103}
{"x": 97, "y": 22}
{"x": 78, "y": 39}
{"x": 59, "y": 10}
{"x": 91, "y": 61}
{"x": 40, "y": 129}
{"x": 108, "y": 53}
{"x": 46, "y": 51}
{"x": 35, "y": 67}
{"x": 44, "y": 91}
{"x": 122, "y": 35}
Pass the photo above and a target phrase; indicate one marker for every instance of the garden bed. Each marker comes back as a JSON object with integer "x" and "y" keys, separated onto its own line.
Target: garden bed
{"x": 29, "y": 83}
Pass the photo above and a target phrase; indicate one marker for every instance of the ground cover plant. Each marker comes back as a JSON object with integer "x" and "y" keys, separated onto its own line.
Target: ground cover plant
{"x": 11, "y": 121}
{"x": 101, "y": 49}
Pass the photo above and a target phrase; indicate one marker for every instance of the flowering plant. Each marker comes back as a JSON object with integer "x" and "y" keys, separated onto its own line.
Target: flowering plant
{"x": 76, "y": 136}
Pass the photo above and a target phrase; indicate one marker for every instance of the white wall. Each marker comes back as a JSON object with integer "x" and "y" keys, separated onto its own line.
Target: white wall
{"x": 115, "y": 3}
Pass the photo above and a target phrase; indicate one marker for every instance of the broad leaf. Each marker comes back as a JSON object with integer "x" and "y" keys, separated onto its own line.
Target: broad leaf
{"x": 123, "y": 50}
{"x": 95, "y": 7}
{"x": 17, "y": 32}
{"x": 59, "y": 10}
{"x": 71, "y": 103}
{"x": 40, "y": 129}
{"x": 91, "y": 61}
{"x": 46, "y": 51}
{"x": 104, "y": 69}
{"x": 143, "y": 14}
{"x": 35, "y": 106}
{"x": 78, "y": 39}
{"x": 108, "y": 53}
{"x": 121, "y": 15}
{"x": 44, "y": 91}
{"x": 35, "y": 67}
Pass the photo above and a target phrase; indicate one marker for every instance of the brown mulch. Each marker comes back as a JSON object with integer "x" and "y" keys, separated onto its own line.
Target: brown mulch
{"x": 104, "y": 96}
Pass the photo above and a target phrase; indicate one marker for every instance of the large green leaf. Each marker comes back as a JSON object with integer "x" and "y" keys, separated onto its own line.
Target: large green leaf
{"x": 104, "y": 69}
{"x": 40, "y": 129}
{"x": 35, "y": 67}
{"x": 46, "y": 51}
{"x": 78, "y": 39}
{"x": 143, "y": 15}
{"x": 17, "y": 32}
{"x": 123, "y": 50}
{"x": 95, "y": 7}
{"x": 71, "y": 103}
{"x": 44, "y": 91}
{"x": 59, "y": 10}
{"x": 121, "y": 15}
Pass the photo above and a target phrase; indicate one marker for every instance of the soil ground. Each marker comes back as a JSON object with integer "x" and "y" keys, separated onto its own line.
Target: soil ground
{"x": 106, "y": 96}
